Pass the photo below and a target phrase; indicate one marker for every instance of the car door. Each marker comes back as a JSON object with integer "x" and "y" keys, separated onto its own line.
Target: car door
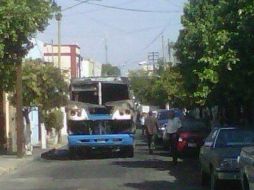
{"x": 206, "y": 150}
{"x": 250, "y": 172}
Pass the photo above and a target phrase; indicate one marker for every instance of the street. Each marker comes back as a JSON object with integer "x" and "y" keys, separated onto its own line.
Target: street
{"x": 144, "y": 171}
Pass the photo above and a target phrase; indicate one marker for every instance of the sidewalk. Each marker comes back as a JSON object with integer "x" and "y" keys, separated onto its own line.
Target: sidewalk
{"x": 12, "y": 162}
{"x": 9, "y": 163}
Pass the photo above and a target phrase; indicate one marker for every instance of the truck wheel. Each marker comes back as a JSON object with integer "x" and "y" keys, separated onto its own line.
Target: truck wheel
{"x": 131, "y": 152}
{"x": 128, "y": 152}
{"x": 72, "y": 153}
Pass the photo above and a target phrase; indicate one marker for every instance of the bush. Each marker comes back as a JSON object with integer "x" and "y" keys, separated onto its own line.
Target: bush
{"x": 54, "y": 120}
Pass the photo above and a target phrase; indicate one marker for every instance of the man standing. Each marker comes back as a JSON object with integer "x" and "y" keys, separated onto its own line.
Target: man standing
{"x": 151, "y": 131}
{"x": 173, "y": 125}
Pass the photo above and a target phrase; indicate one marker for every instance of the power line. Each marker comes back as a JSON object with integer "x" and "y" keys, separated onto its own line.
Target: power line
{"x": 132, "y": 10}
{"x": 75, "y": 5}
{"x": 156, "y": 38}
{"x": 150, "y": 43}
{"x": 106, "y": 24}
{"x": 121, "y": 8}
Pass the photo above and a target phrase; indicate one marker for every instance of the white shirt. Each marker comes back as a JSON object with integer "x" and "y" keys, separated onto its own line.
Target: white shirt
{"x": 173, "y": 125}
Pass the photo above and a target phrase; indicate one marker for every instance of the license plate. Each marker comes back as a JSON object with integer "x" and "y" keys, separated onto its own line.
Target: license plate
{"x": 101, "y": 141}
{"x": 192, "y": 145}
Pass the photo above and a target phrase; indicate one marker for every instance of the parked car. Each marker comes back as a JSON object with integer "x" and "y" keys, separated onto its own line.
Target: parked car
{"x": 162, "y": 120}
{"x": 218, "y": 155}
{"x": 191, "y": 135}
{"x": 246, "y": 164}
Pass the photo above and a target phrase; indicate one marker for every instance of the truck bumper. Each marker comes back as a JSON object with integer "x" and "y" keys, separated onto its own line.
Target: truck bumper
{"x": 107, "y": 141}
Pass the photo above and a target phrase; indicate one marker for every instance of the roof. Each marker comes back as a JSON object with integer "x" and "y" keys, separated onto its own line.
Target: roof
{"x": 115, "y": 80}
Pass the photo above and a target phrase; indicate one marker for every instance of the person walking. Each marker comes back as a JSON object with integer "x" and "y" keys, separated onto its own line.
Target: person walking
{"x": 173, "y": 125}
{"x": 151, "y": 131}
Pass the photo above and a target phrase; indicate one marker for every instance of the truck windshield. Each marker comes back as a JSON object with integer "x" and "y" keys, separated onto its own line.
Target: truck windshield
{"x": 86, "y": 93}
{"x": 89, "y": 93}
{"x": 114, "y": 92}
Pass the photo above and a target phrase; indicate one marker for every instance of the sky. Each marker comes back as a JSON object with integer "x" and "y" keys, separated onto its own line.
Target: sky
{"x": 129, "y": 35}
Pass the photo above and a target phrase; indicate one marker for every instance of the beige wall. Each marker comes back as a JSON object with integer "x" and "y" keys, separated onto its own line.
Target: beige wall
{"x": 10, "y": 124}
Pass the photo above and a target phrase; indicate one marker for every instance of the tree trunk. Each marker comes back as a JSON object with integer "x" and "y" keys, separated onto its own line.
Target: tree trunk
{"x": 28, "y": 145}
{"x": 20, "y": 125}
{"x": 59, "y": 139}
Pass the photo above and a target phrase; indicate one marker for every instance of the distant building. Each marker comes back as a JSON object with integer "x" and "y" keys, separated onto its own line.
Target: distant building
{"x": 90, "y": 68}
{"x": 148, "y": 68}
{"x": 70, "y": 58}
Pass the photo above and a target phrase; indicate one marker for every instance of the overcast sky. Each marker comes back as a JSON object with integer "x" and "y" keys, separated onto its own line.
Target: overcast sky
{"x": 130, "y": 35}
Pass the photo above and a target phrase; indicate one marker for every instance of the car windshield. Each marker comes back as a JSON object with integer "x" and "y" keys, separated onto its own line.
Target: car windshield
{"x": 234, "y": 138}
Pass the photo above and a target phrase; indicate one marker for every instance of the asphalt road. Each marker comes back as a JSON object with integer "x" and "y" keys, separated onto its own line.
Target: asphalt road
{"x": 143, "y": 172}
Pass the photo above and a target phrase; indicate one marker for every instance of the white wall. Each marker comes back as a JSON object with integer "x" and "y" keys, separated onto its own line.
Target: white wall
{"x": 90, "y": 68}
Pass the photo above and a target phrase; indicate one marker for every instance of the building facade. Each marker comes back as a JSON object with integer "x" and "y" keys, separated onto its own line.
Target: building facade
{"x": 90, "y": 68}
{"x": 69, "y": 58}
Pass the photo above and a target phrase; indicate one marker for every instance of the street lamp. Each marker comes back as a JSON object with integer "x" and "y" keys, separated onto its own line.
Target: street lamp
{"x": 58, "y": 17}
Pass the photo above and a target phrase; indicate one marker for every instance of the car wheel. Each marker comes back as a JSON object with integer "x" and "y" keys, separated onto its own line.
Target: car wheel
{"x": 245, "y": 183}
{"x": 214, "y": 182}
{"x": 204, "y": 178}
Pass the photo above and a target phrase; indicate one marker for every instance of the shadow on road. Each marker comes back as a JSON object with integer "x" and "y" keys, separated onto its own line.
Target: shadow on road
{"x": 151, "y": 163}
{"x": 64, "y": 155}
{"x": 151, "y": 185}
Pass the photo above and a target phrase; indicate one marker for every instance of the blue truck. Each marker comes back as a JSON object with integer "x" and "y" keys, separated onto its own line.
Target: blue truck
{"x": 100, "y": 116}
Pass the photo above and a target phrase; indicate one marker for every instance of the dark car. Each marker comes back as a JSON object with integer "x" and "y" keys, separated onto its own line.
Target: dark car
{"x": 218, "y": 155}
{"x": 246, "y": 163}
{"x": 191, "y": 135}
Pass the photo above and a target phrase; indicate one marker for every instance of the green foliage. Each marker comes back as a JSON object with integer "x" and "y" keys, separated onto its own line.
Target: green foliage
{"x": 164, "y": 87}
{"x": 110, "y": 70}
{"x": 216, "y": 50}
{"x": 54, "y": 119}
{"x": 43, "y": 85}
{"x": 19, "y": 21}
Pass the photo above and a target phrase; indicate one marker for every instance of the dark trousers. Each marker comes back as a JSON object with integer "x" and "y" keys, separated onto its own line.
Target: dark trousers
{"x": 150, "y": 142}
{"x": 173, "y": 138}
{"x": 143, "y": 129}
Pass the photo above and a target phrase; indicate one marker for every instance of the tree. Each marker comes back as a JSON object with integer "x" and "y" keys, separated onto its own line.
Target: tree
{"x": 164, "y": 86}
{"x": 19, "y": 21}
{"x": 44, "y": 87}
{"x": 110, "y": 70}
{"x": 54, "y": 120}
{"x": 215, "y": 48}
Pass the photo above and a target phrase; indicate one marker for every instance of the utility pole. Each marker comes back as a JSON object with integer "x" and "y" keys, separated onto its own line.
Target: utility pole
{"x": 19, "y": 106}
{"x": 163, "y": 49}
{"x": 106, "y": 51}
{"x": 52, "y": 51}
{"x": 153, "y": 58}
{"x": 58, "y": 17}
